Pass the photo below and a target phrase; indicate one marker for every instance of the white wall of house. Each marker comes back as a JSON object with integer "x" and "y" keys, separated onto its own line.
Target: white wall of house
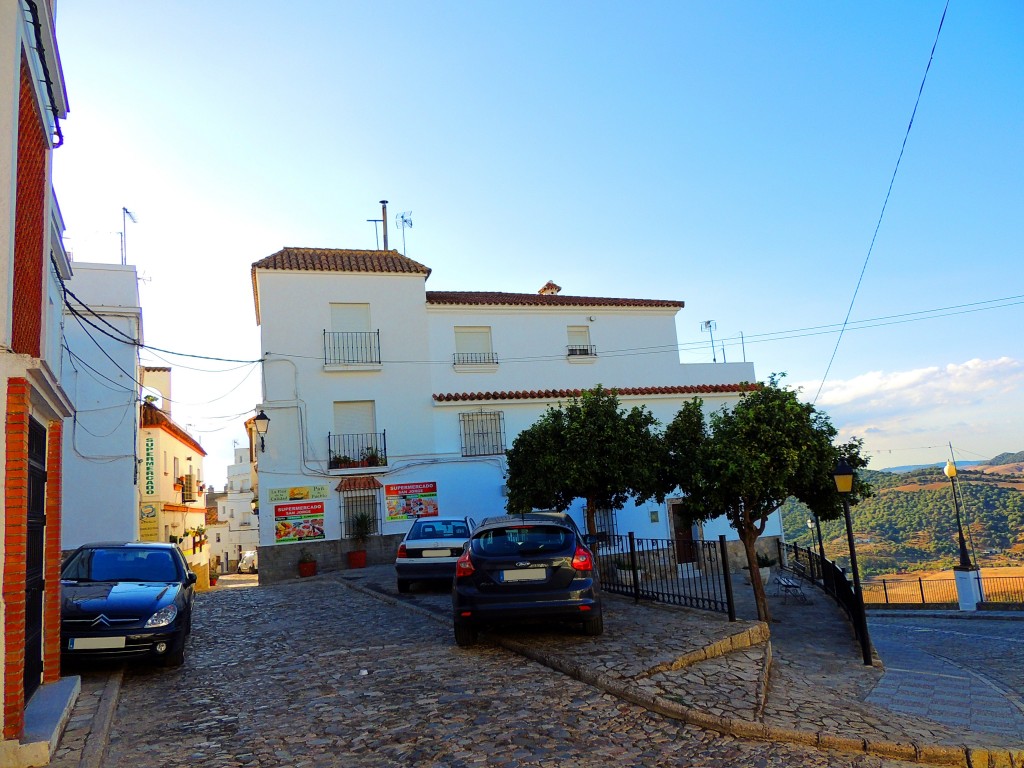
{"x": 417, "y": 342}
{"x": 238, "y": 526}
{"x": 101, "y": 438}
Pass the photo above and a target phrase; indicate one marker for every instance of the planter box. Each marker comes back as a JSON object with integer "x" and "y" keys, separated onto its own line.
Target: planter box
{"x": 307, "y": 569}
{"x": 357, "y": 558}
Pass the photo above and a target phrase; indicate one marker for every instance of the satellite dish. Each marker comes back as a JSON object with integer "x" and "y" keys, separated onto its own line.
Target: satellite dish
{"x": 404, "y": 220}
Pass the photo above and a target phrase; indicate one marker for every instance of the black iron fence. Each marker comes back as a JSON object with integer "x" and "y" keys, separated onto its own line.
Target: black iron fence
{"x": 808, "y": 564}
{"x": 351, "y": 347}
{"x": 347, "y": 451}
{"x": 994, "y": 590}
{"x": 690, "y": 573}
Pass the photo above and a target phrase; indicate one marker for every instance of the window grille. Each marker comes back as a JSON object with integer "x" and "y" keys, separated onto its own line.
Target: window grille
{"x": 356, "y": 503}
{"x": 483, "y": 433}
{"x": 605, "y": 522}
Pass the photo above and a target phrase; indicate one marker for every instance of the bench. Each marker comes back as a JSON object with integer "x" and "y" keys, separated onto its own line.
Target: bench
{"x": 792, "y": 586}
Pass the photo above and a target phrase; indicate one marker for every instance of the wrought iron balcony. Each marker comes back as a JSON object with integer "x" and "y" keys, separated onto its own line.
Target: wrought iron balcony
{"x": 474, "y": 358}
{"x": 581, "y": 350}
{"x": 346, "y": 348}
{"x": 349, "y": 451}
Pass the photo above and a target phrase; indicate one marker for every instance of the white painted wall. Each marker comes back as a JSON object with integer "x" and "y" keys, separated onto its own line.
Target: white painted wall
{"x": 100, "y": 440}
{"x": 417, "y": 344}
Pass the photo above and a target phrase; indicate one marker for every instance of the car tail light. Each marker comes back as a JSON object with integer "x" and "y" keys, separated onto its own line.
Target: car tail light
{"x": 464, "y": 566}
{"x": 402, "y": 551}
{"x": 583, "y": 560}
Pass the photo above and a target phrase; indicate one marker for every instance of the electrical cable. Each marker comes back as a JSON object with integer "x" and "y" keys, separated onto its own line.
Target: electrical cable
{"x": 885, "y": 203}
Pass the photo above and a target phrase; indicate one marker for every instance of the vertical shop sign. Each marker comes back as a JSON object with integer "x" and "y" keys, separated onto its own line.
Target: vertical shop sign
{"x": 150, "y": 466}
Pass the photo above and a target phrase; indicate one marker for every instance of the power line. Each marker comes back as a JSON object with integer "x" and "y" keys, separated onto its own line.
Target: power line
{"x": 885, "y": 203}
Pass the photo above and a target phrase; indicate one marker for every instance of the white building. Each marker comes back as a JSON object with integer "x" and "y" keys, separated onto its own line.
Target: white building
{"x": 237, "y": 529}
{"x": 386, "y": 397}
{"x": 102, "y": 327}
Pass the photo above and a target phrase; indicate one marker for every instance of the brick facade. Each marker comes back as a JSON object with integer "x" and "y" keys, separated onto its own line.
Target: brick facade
{"x": 52, "y": 553}
{"x": 29, "y": 222}
{"x": 15, "y": 540}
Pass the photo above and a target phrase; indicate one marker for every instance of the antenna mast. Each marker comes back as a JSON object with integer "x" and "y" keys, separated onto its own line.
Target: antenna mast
{"x": 404, "y": 220}
{"x": 384, "y": 221}
{"x": 709, "y": 326}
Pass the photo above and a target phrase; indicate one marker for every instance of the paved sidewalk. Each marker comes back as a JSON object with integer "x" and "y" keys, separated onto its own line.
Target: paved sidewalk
{"x": 804, "y": 684}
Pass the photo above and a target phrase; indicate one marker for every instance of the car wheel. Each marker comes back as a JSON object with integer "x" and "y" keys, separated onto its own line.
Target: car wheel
{"x": 403, "y": 585}
{"x": 593, "y": 627}
{"x": 465, "y": 634}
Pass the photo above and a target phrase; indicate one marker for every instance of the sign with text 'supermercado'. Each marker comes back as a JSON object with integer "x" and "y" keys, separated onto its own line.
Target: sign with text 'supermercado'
{"x": 407, "y": 501}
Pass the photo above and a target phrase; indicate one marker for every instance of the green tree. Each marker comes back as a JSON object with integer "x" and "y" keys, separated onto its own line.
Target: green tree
{"x": 744, "y": 462}
{"x": 590, "y": 448}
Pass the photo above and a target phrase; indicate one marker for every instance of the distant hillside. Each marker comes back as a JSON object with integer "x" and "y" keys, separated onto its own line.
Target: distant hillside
{"x": 1007, "y": 458}
{"x": 940, "y": 465}
{"x": 909, "y": 524}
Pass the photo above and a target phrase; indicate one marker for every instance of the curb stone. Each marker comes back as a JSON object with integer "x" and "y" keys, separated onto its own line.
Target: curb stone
{"x": 931, "y": 754}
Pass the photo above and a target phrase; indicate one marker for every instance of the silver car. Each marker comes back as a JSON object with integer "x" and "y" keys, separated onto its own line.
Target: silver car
{"x": 430, "y": 549}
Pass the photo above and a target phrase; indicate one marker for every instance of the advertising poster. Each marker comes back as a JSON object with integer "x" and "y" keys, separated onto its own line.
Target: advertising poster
{"x": 407, "y": 501}
{"x": 298, "y": 512}
{"x": 148, "y": 529}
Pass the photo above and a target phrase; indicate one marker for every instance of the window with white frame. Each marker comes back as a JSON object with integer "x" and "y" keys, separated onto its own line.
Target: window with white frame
{"x": 473, "y": 345}
{"x": 483, "y": 433}
{"x": 579, "y": 341}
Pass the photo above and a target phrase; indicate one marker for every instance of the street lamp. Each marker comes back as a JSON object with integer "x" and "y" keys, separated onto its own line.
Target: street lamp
{"x": 262, "y": 423}
{"x": 950, "y": 472}
{"x": 843, "y": 476}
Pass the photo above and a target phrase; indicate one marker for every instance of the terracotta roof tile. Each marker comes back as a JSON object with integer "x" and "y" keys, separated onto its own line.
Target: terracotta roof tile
{"x": 547, "y": 394}
{"x": 153, "y": 417}
{"x": 341, "y": 260}
{"x": 363, "y": 483}
{"x": 540, "y": 300}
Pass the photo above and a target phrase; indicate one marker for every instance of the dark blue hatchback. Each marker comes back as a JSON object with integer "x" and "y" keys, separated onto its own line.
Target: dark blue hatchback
{"x": 126, "y": 600}
{"x": 525, "y": 568}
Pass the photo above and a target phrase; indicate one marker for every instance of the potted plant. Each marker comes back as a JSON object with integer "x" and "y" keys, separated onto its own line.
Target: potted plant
{"x": 764, "y": 567}
{"x": 360, "y": 528}
{"x": 371, "y": 457}
{"x": 307, "y": 564}
{"x": 340, "y": 462}
{"x": 213, "y": 577}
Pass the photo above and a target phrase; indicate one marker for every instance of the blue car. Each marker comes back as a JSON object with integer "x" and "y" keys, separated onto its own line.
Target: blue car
{"x": 126, "y": 600}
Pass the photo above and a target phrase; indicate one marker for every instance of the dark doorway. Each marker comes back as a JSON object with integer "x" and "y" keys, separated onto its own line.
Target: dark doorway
{"x": 686, "y": 550}
{"x": 34, "y": 557}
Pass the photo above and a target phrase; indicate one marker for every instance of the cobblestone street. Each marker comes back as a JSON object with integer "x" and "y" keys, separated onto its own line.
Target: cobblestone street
{"x": 316, "y": 673}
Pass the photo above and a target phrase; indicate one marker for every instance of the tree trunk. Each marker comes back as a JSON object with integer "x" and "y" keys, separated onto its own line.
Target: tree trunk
{"x": 591, "y": 517}
{"x": 749, "y": 539}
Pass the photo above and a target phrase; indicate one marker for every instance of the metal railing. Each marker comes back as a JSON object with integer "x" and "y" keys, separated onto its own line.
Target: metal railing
{"x": 832, "y": 579}
{"x": 351, "y": 347}
{"x": 348, "y": 451}
{"x": 909, "y": 591}
{"x": 581, "y": 350}
{"x": 474, "y": 358}
{"x": 650, "y": 569}
{"x": 1002, "y": 589}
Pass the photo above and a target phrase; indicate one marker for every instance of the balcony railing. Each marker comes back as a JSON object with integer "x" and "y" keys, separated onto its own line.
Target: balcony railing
{"x": 344, "y": 347}
{"x": 475, "y": 358}
{"x": 581, "y": 350}
{"x": 349, "y": 451}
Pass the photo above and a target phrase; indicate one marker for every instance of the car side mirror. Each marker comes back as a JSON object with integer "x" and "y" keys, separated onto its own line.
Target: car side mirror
{"x": 192, "y": 578}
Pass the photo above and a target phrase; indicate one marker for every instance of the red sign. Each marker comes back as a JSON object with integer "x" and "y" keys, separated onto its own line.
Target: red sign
{"x": 302, "y": 508}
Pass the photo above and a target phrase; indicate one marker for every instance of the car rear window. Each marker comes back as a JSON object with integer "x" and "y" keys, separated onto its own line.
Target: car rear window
{"x": 121, "y": 565}
{"x": 438, "y": 529}
{"x": 524, "y": 540}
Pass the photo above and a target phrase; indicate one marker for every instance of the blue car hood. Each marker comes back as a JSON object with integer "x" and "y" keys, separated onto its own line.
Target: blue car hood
{"x": 115, "y": 599}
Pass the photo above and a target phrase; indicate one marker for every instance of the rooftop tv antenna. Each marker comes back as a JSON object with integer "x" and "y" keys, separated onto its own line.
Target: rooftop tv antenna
{"x": 404, "y": 220}
{"x": 125, "y": 215}
{"x": 376, "y": 230}
{"x": 709, "y": 326}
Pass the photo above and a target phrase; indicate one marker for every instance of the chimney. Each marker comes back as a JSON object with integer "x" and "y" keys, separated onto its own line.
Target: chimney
{"x": 384, "y": 215}
{"x": 159, "y": 380}
{"x": 550, "y": 289}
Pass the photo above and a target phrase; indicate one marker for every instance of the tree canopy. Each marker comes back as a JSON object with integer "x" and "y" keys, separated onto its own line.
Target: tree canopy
{"x": 589, "y": 448}
{"x": 745, "y": 461}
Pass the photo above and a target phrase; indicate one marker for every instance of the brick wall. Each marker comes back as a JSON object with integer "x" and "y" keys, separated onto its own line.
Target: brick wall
{"x": 51, "y": 553}
{"x": 29, "y": 222}
{"x": 15, "y": 539}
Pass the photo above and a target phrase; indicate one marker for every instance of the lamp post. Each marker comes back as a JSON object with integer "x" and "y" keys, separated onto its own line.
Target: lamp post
{"x": 262, "y": 423}
{"x": 843, "y": 476}
{"x": 950, "y": 472}
{"x": 816, "y": 524}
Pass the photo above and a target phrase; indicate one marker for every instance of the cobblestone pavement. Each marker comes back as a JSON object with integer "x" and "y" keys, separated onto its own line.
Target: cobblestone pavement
{"x": 341, "y": 670}
{"x": 968, "y": 672}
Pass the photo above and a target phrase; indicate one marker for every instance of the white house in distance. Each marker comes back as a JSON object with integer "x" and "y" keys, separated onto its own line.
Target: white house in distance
{"x": 237, "y": 529}
{"x": 385, "y": 397}
{"x": 172, "y": 505}
{"x": 102, "y": 328}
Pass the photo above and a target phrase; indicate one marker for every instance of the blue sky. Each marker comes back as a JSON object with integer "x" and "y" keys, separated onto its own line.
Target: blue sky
{"x": 733, "y": 155}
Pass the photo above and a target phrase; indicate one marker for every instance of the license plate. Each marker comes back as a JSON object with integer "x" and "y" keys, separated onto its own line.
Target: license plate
{"x": 525, "y": 574}
{"x": 87, "y": 643}
{"x": 437, "y": 553}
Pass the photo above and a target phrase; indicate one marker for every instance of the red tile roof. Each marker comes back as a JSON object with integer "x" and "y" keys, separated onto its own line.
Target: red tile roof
{"x": 541, "y": 300}
{"x": 547, "y": 394}
{"x": 153, "y": 417}
{"x": 341, "y": 260}
{"x": 363, "y": 483}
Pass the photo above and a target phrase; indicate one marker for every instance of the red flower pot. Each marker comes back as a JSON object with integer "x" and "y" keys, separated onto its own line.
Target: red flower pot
{"x": 307, "y": 569}
{"x": 357, "y": 559}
